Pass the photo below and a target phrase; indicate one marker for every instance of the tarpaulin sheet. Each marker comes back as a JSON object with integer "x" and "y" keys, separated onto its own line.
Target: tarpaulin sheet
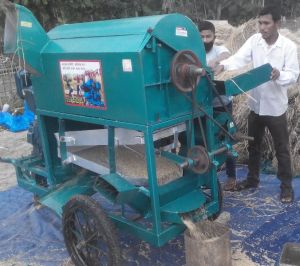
{"x": 17, "y": 122}
{"x": 260, "y": 226}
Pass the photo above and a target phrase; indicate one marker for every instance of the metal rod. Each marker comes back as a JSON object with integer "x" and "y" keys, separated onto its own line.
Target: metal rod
{"x": 221, "y": 100}
{"x": 219, "y": 151}
{"x": 211, "y": 118}
{"x": 198, "y": 71}
{"x": 6, "y": 160}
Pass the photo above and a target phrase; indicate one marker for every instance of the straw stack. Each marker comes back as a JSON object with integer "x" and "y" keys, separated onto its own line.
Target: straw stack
{"x": 240, "y": 34}
{"x": 223, "y": 31}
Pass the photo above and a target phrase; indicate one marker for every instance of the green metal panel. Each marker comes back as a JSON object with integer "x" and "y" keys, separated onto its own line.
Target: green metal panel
{"x": 119, "y": 183}
{"x": 248, "y": 80}
{"x": 180, "y": 33}
{"x": 188, "y": 202}
{"x": 29, "y": 41}
{"x": 56, "y": 199}
{"x": 31, "y": 186}
{"x": 124, "y": 102}
{"x": 162, "y": 98}
{"x": 91, "y": 45}
{"x": 127, "y": 26}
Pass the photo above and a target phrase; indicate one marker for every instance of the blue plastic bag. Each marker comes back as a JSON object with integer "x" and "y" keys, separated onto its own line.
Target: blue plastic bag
{"x": 16, "y": 123}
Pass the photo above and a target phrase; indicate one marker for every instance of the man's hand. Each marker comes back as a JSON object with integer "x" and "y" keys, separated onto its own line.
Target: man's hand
{"x": 213, "y": 64}
{"x": 275, "y": 74}
{"x": 218, "y": 69}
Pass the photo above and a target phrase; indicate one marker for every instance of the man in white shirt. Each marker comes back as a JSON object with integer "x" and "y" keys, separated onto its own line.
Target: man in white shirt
{"x": 268, "y": 109}
{"x": 214, "y": 54}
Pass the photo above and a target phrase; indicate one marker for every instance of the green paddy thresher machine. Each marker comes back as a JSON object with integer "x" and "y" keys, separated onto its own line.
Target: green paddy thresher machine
{"x": 141, "y": 81}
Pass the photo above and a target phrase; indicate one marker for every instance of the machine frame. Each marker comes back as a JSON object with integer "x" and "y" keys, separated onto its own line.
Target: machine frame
{"x": 160, "y": 209}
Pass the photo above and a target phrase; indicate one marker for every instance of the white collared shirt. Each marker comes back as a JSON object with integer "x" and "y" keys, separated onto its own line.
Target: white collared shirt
{"x": 271, "y": 97}
{"x": 215, "y": 52}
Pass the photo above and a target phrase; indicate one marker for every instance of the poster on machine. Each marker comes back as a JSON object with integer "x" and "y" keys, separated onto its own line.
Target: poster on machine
{"x": 82, "y": 83}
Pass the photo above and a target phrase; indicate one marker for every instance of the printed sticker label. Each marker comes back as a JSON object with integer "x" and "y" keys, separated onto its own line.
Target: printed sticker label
{"x": 82, "y": 83}
{"x": 181, "y": 31}
{"x": 127, "y": 65}
{"x": 26, "y": 24}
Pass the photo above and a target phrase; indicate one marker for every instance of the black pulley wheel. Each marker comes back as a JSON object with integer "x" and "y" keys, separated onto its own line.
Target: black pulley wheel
{"x": 201, "y": 159}
{"x": 89, "y": 235}
{"x": 183, "y": 67}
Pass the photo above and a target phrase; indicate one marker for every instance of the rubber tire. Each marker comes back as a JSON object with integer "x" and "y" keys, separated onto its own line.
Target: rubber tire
{"x": 101, "y": 221}
{"x": 220, "y": 194}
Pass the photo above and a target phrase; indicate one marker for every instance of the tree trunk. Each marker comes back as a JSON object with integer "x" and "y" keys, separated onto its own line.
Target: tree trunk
{"x": 168, "y": 6}
{"x": 204, "y": 10}
{"x": 219, "y": 11}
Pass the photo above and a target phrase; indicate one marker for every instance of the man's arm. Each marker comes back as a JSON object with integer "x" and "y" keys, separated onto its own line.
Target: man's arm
{"x": 240, "y": 59}
{"x": 223, "y": 53}
{"x": 290, "y": 71}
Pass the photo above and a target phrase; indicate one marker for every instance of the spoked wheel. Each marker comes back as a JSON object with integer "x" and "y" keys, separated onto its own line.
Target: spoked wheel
{"x": 89, "y": 235}
{"x": 199, "y": 154}
{"x": 184, "y": 67}
{"x": 220, "y": 194}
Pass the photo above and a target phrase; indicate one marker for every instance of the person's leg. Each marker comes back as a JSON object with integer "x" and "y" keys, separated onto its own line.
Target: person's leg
{"x": 279, "y": 131}
{"x": 230, "y": 184}
{"x": 230, "y": 166}
{"x": 256, "y": 129}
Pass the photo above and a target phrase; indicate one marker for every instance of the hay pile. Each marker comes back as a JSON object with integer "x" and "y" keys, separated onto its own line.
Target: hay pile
{"x": 223, "y": 31}
{"x": 236, "y": 40}
{"x": 239, "y": 35}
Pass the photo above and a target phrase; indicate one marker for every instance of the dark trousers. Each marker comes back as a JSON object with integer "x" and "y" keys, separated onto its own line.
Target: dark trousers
{"x": 277, "y": 126}
{"x": 230, "y": 166}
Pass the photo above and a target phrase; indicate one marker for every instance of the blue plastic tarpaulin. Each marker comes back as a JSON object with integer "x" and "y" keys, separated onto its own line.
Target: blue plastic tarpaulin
{"x": 17, "y": 123}
{"x": 260, "y": 226}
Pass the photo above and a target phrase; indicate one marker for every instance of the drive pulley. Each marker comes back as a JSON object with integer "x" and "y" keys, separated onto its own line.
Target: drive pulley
{"x": 186, "y": 70}
{"x": 201, "y": 159}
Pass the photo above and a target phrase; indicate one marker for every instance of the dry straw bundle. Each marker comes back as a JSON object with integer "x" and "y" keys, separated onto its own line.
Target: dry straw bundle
{"x": 236, "y": 40}
{"x": 241, "y": 34}
{"x": 223, "y": 31}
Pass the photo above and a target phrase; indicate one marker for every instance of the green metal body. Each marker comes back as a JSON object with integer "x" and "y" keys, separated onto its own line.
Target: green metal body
{"x": 145, "y": 92}
{"x": 139, "y": 95}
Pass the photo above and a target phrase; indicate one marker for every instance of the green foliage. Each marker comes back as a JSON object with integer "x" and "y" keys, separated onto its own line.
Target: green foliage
{"x": 53, "y": 12}
{"x": 240, "y": 12}
{"x": 236, "y": 12}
